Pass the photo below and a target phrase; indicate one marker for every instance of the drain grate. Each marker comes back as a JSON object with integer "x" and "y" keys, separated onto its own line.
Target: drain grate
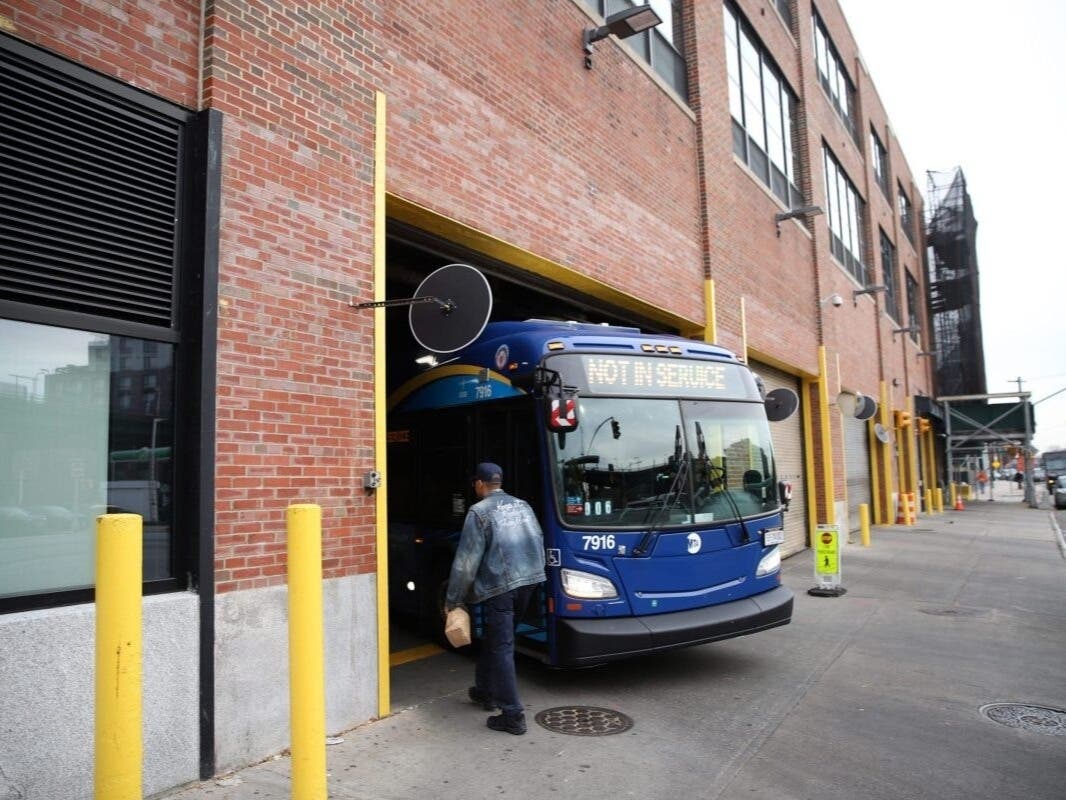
{"x": 1038, "y": 719}
{"x": 584, "y": 720}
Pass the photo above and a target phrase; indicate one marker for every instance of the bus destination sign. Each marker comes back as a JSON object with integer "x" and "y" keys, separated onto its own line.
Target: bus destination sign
{"x": 655, "y": 376}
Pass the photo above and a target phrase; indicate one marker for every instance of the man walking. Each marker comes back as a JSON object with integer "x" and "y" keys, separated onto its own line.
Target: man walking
{"x": 499, "y": 563}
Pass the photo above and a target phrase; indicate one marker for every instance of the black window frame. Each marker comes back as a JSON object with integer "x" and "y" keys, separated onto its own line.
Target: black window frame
{"x": 889, "y": 276}
{"x": 779, "y": 177}
{"x": 190, "y": 330}
{"x": 841, "y": 97}
{"x": 906, "y": 212}
{"x": 913, "y": 314}
{"x": 879, "y": 159}
{"x": 842, "y": 197}
{"x": 664, "y": 56}
{"x": 784, "y": 9}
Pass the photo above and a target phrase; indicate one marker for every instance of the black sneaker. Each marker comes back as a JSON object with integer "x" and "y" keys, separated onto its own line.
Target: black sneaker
{"x": 502, "y": 722}
{"x": 481, "y": 698}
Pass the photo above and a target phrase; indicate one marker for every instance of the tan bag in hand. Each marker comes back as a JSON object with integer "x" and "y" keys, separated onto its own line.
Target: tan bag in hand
{"x": 457, "y": 627}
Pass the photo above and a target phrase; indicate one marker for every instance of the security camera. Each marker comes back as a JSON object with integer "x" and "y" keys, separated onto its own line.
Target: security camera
{"x": 836, "y": 300}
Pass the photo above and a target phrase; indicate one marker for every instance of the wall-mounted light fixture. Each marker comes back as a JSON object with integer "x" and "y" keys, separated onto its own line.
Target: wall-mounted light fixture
{"x": 926, "y": 355}
{"x": 626, "y": 23}
{"x": 912, "y": 329}
{"x": 793, "y": 213}
{"x": 867, "y": 290}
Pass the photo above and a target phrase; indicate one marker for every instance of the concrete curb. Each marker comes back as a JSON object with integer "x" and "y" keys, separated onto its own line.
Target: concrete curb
{"x": 1058, "y": 533}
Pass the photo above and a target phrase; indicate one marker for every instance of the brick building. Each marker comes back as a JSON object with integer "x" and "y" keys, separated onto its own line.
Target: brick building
{"x": 212, "y": 183}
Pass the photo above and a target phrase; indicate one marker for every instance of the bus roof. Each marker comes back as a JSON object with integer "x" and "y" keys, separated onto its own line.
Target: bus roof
{"x": 517, "y": 347}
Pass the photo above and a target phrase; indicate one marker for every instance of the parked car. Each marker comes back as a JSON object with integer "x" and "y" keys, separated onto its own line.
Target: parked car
{"x": 1059, "y": 494}
{"x": 57, "y": 519}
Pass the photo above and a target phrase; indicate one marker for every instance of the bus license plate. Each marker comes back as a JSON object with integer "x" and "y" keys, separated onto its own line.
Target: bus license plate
{"x": 773, "y": 536}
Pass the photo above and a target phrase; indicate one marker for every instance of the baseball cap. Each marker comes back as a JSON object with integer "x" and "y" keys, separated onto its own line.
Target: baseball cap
{"x": 488, "y": 472}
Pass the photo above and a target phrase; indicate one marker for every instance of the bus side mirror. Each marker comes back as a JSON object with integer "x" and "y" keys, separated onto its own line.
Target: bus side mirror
{"x": 784, "y": 494}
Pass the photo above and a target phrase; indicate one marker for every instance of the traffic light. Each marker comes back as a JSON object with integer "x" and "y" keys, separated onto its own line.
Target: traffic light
{"x": 924, "y": 425}
{"x": 903, "y": 419}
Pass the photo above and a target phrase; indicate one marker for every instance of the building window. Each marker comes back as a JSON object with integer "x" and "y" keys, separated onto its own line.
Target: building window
{"x": 784, "y": 8}
{"x": 762, "y": 108}
{"x": 833, "y": 77}
{"x": 914, "y": 319}
{"x": 91, "y": 430}
{"x": 71, "y": 453}
{"x": 846, "y": 212}
{"x": 879, "y": 156}
{"x": 906, "y": 213}
{"x": 661, "y": 46}
{"x": 888, "y": 272}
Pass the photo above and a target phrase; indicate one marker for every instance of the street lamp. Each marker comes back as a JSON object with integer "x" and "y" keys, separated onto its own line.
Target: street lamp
{"x": 625, "y": 23}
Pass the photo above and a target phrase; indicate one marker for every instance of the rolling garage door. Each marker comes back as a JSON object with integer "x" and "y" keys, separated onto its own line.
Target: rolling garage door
{"x": 856, "y": 467}
{"x": 788, "y": 453}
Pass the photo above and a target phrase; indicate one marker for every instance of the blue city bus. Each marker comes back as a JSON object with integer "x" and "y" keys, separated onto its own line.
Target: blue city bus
{"x": 647, "y": 459}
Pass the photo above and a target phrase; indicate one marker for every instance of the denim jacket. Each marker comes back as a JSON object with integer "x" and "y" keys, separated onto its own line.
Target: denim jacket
{"x": 501, "y": 548}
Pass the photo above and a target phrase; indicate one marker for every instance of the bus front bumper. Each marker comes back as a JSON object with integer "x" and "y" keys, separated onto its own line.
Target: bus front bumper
{"x": 584, "y": 642}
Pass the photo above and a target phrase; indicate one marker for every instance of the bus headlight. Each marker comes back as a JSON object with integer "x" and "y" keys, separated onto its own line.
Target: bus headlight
{"x": 587, "y": 586}
{"x": 771, "y": 562}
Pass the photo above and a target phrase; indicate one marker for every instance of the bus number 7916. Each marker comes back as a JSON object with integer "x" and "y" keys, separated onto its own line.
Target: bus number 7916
{"x": 604, "y": 541}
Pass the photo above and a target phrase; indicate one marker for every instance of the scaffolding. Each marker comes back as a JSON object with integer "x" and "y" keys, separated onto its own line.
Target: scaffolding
{"x": 954, "y": 299}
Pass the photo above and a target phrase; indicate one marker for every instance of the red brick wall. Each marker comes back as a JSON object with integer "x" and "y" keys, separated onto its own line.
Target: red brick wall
{"x": 150, "y": 44}
{"x": 498, "y": 124}
{"x": 295, "y": 363}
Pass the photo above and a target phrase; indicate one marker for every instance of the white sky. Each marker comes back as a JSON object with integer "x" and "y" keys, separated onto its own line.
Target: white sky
{"x": 980, "y": 85}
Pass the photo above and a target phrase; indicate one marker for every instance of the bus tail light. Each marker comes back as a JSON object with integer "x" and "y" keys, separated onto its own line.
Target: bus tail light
{"x": 771, "y": 562}
{"x": 585, "y": 586}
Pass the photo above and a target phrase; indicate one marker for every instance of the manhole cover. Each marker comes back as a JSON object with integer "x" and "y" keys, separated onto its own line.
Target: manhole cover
{"x": 584, "y": 720}
{"x": 1038, "y": 719}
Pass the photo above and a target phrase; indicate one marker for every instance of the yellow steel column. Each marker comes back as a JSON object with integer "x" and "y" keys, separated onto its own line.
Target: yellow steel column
{"x": 886, "y": 517}
{"x": 808, "y": 459}
{"x": 743, "y": 331}
{"x": 875, "y": 473}
{"x": 119, "y": 746}
{"x": 381, "y": 498}
{"x": 912, "y": 449}
{"x": 864, "y": 524}
{"x": 710, "y": 331}
{"x": 827, "y": 441}
{"x": 307, "y": 685}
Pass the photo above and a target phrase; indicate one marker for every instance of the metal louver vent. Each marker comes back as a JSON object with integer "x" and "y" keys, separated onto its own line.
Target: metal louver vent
{"x": 89, "y": 191}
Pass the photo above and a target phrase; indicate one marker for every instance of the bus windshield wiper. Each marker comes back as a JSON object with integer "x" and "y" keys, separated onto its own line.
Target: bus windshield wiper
{"x": 745, "y": 536}
{"x": 673, "y": 497}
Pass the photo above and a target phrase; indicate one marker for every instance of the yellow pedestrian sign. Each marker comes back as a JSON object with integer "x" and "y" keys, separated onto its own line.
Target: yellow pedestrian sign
{"x": 827, "y": 562}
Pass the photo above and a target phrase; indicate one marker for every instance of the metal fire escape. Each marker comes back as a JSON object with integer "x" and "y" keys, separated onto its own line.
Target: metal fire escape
{"x": 954, "y": 300}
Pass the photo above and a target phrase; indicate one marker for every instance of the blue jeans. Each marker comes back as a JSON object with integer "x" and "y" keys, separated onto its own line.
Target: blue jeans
{"x": 495, "y": 673}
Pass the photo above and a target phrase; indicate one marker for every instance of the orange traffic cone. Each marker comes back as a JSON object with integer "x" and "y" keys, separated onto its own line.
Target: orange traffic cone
{"x": 958, "y": 502}
{"x": 903, "y": 516}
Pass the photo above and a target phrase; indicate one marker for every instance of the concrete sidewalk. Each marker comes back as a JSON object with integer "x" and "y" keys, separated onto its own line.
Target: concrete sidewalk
{"x": 876, "y": 694}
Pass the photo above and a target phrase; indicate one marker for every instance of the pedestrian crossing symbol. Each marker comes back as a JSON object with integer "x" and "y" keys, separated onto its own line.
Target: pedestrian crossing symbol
{"x": 827, "y": 561}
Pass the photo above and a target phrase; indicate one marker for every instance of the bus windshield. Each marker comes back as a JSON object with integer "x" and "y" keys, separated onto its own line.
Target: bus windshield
{"x": 635, "y": 462}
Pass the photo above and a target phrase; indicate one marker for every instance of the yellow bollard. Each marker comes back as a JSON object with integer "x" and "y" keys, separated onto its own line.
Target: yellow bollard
{"x": 307, "y": 688}
{"x": 928, "y": 501}
{"x": 864, "y": 524}
{"x": 119, "y": 749}
{"x": 939, "y": 494}
{"x": 954, "y": 496}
